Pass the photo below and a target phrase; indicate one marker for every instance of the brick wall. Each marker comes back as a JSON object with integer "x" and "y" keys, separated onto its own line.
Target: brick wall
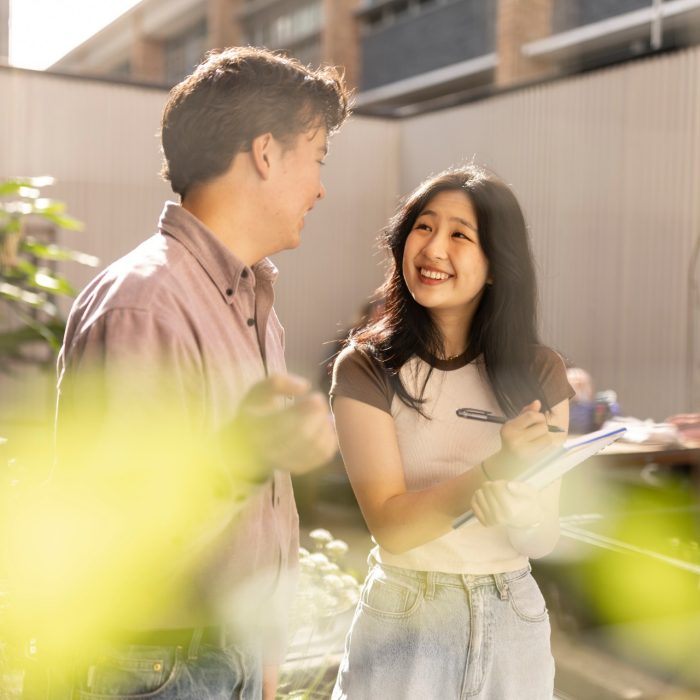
{"x": 147, "y": 60}
{"x": 223, "y": 24}
{"x": 519, "y": 22}
{"x": 340, "y": 38}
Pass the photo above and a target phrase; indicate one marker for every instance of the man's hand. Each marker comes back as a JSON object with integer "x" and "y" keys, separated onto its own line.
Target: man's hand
{"x": 295, "y": 438}
{"x": 270, "y": 680}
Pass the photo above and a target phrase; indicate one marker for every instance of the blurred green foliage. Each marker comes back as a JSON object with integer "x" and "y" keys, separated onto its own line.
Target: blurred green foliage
{"x": 29, "y": 282}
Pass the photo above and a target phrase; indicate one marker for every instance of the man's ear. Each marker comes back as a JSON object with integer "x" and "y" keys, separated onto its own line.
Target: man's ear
{"x": 260, "y": 151}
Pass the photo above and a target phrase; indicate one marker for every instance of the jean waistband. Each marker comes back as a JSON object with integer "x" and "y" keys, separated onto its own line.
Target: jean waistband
{"x": 189, "y": 638}
{"x": 436, "y": 578}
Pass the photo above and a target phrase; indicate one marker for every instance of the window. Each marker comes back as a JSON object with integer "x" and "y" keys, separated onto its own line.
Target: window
{"x": 289, "y": 28}
{"x": 184, "y": 52}
{"x": 121, "y": 70}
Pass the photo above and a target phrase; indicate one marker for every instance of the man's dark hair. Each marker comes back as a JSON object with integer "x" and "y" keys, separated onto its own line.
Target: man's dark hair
{"x": 235, "y": 95}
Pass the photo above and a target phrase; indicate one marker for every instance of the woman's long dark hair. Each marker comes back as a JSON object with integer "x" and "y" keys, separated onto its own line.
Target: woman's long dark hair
{"x": 504, "y": 327}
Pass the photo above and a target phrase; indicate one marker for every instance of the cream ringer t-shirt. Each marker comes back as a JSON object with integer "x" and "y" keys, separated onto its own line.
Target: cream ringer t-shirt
{"x": 445, "y": 446}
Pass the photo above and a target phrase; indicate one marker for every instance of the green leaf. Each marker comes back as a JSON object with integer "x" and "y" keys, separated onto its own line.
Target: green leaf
{"x": 12, "y": 341}
{"x": 29, "y": 275}
{"x": 14, "y": 185}
{"x": 40, "y": 181}
{"x": 49, "y": 206}
{"x": 19, "y": 272}
{"x": 65, "y": 222}
{"x": 52, "y": 283}
{"x": 45, "y": 331}
{"x": 11, "y": 187}
{"x": 16, "y": 294}
{"x": 29, "y": 192}
{"x": 21, "y": 208}
{"x": 51, "y": 251}
{"x": 13, "y": 224}
{"x": 26, "y": 289}
{"x": 12, "y": 292}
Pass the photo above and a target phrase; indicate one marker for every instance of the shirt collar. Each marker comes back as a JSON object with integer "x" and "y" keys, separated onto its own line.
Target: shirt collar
{"x": 226, "y": 271}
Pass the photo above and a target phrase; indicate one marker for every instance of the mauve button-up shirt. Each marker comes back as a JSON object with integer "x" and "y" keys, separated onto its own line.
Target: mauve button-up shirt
{"x": 182, "y": 300}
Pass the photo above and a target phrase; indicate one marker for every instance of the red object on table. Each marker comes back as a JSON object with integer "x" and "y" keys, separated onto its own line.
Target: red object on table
{"x": 688, "y": 425}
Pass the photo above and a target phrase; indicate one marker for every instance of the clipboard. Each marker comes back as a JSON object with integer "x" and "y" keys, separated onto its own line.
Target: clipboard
{"x": 555, "y": 465}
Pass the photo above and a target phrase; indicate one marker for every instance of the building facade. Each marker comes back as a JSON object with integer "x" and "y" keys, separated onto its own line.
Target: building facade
{"x": 160, "y": 41}
{"x": 421, "y": 54}
{"x": 403, "y": 56}
{"x": 4, "y": 30}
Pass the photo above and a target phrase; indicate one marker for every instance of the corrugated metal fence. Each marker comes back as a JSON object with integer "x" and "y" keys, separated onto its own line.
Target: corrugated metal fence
{"x": 606, "y": 165}
{"x": 99, "y": 141}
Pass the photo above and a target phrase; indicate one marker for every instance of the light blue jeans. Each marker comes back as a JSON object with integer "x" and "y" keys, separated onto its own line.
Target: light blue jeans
{"x": 449, "y": 636}
{"x": 200, "y": 672}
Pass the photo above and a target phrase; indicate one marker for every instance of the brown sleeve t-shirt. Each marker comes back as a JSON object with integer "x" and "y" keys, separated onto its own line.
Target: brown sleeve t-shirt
{"x": 358, "y": 376}
{"x": 435, "y": 445}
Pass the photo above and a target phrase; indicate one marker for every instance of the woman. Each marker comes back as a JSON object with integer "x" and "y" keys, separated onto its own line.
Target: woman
{"x": 451, "y": 613}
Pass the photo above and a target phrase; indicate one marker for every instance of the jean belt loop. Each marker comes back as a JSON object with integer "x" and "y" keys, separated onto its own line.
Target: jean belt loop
{"x": 430, "y": 585}
{"x": 195, "y": 642}
{"x": 501, "y": 585}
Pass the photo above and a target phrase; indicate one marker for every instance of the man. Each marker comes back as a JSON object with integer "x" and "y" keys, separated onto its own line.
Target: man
{"x": 182, "y": 332}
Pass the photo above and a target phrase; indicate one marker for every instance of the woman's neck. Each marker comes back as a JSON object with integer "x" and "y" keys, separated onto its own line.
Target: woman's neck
{"x": 454, "y": 330}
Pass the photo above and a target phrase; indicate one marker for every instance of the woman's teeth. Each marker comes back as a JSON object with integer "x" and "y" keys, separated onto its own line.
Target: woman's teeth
{"x": 433, "y": 275}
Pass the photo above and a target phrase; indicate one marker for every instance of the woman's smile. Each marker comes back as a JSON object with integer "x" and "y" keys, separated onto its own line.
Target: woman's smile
{"x": 444, "y": 265}
{"x": 431, "y": 276}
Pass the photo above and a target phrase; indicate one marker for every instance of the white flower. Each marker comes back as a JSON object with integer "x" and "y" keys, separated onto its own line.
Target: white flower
{"x": 336, "y": 549}
{"x": 334, "y": 582}
{"x": 350, "y": 581}
{"x": 321, "y": 537}
{"x": 318, "y": 559}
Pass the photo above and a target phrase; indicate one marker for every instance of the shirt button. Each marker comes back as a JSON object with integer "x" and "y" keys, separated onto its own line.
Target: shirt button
{"x": 229, "y": 292}
{"x": 251, "y": 321}
{"x": 244, "y": 274}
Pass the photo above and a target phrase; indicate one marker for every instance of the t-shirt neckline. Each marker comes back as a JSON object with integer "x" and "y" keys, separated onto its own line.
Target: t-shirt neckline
{"x": 453, "y": 363}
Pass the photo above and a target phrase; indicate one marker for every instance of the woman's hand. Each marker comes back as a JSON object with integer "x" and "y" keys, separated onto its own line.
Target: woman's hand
{"x": 513, "y": 504}
{"x": 523, "y": 439}
{"x": 530, "y": 517}
{"x": 527, "y": 435}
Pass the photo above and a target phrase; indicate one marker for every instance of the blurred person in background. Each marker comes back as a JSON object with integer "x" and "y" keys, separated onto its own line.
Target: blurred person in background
{"x": 589, "y": 409}
{"x": 452, "y": 613}
{"x": 180, "y": 336}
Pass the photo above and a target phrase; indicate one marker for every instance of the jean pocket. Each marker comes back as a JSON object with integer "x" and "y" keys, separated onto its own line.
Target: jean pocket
{"x": 131, "y": 672}
{"x": 526, "y": 599}
{"x": 390, "y": 596}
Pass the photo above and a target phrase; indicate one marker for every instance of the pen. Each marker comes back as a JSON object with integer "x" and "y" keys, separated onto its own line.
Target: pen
{"x": 478, "y": 414}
